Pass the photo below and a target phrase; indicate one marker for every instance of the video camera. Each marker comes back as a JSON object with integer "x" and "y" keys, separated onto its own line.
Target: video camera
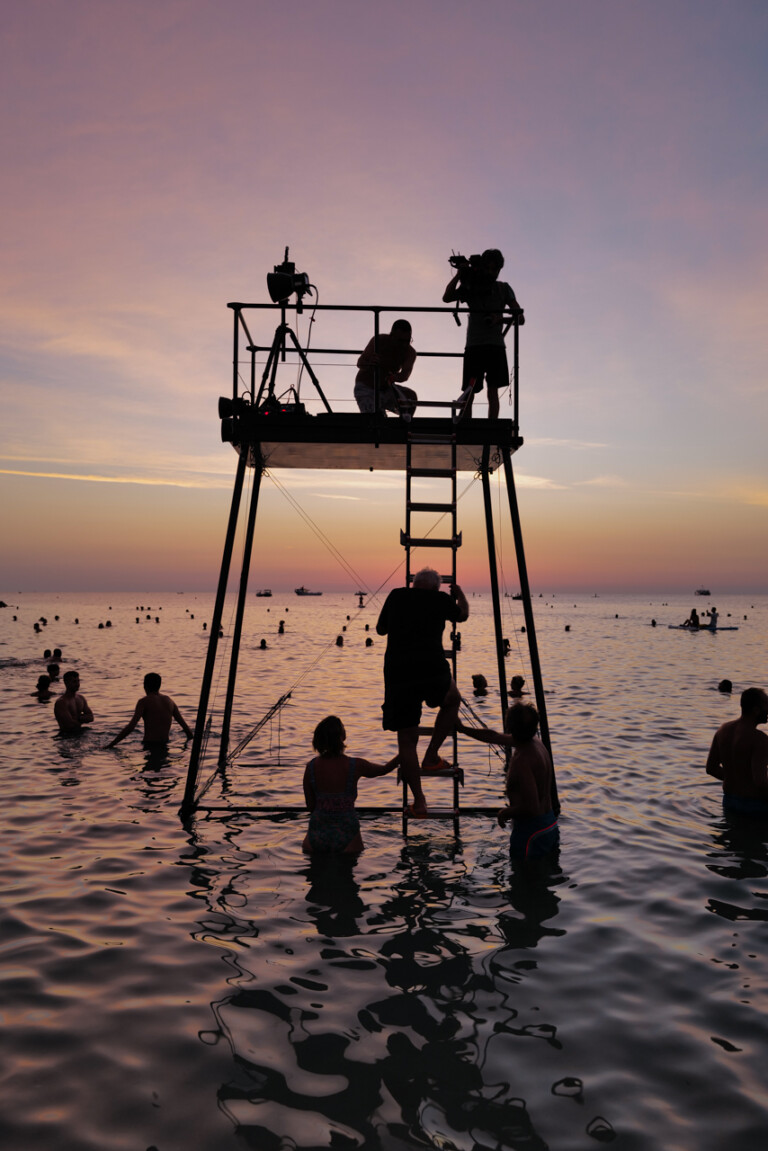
{"x": 472, "y": 270}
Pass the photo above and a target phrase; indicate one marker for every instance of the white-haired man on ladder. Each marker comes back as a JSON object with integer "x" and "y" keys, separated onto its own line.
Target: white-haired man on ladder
{"x": 416, "y": 671}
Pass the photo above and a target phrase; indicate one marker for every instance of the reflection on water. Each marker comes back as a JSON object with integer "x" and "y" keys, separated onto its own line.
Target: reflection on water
{"x": 212, "y": 988}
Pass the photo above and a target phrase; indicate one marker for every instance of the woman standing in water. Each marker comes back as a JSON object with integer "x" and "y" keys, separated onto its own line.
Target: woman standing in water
{"x": 330, "y": 791}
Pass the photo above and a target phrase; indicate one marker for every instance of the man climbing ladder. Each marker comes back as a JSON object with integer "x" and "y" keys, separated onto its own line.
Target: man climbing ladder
{"x": 413, "y": 619}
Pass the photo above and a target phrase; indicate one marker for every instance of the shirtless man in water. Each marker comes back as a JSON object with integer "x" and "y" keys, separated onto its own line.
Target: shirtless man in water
{"x": 71, "y": 709}
{"x": 529, "y": 783}
{"x": 158, "y": 712}
{"x": 739, "y": 756}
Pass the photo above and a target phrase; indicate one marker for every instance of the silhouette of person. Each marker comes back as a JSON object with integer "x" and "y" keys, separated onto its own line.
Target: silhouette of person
{"x": 71, "y": 709}
{"x": 330, "y": 790}
{"x": 738, "y": 757}
{"x": 485, "y": 356}
{"x": 395, "y": 359}
{"x": 417, "y": 672}
{"x": 529, "y": 783}
{"x": 157, "y": 711}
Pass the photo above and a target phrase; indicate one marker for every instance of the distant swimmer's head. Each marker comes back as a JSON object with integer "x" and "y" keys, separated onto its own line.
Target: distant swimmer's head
{"x": 57, "y": 650}
{"x": 754, "y": 704}
{"x": 480, "y": 684}
{"x": 152, "y": 681}
{"x": 725, "y": 686}
{"x": 521, "y": 722}
{"x": 43, "y": 682}
{"x": 427, "y": 579}
{"x": 329, "y": 736}
{"x": 402, "y": 330}
{"x": 47, "y": 653}
{"x": 72, "y": 680}
{"x": 53, "y": 670}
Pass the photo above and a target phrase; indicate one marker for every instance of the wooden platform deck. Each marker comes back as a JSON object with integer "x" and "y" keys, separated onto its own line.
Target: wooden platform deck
{"x": 352, "y": 440}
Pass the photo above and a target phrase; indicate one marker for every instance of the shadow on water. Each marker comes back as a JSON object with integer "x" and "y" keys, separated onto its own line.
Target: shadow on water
{"x": 741, "y": 853}
{"x": 375, "y": 1027}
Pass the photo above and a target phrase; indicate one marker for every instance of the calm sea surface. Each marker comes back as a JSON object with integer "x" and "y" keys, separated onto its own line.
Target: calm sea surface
{"x": 210, "y": 989}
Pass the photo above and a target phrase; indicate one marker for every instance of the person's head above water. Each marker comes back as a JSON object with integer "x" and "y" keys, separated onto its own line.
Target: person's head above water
{"x": 152, "y": 681}
{"x": 427, "y": 579}
{"x": 71, "y": 680}
{"x": 521, "y": 722}
{"x": 725, "y": 686}
{"x": 754, "y": 704}
{"x": 329, "y": 736}
{"x": 43, "y": 683}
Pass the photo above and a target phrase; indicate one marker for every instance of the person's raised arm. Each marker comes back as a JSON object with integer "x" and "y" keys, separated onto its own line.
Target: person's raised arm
{"x": 461, "y": 603}
{"x": 451, "y": 292}
{"x": 371, "y": 770}
{"x": 131, "y": 723}
{"x": 409, "y": 359}
{"x": 714, "y": 766}
{"x": 486, "y": 735}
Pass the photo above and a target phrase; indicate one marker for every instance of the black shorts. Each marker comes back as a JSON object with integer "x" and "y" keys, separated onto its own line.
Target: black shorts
{"x": 486, "y": 361}
{"x": 402, "y": 701}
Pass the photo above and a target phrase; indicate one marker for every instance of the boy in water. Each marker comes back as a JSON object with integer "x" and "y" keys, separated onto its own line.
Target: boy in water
{"x": 158, "y": 712}
{"x": 71, "y": 709}
{"x": 529, "y": 783}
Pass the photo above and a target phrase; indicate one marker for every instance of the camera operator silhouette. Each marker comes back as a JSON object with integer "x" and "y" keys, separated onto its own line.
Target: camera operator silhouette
{"x": 476, "y": 284}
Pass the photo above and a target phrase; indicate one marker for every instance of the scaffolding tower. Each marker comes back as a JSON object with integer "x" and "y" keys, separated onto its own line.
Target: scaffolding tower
{"x": 269, "y": 432}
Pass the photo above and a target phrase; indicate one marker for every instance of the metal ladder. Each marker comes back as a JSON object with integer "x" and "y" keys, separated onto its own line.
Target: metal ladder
{"x": 410, "y": 538}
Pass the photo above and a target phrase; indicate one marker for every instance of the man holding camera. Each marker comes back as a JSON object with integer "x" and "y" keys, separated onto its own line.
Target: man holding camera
{"x": 476, "y": 284}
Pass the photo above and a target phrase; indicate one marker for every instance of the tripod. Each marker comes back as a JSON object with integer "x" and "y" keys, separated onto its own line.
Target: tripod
{"x": 277, "y": 353}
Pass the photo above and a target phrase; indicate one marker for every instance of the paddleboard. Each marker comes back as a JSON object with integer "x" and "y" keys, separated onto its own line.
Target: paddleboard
{"x": 682, "y": 627}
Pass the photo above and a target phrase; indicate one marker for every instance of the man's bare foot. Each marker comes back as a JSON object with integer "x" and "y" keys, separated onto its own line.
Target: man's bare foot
{"x": 417, "y": 810}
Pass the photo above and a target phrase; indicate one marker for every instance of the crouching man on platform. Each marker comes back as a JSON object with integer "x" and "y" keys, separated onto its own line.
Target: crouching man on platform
{"x": 529, "y": 783}
{"x": 417, "y": 672}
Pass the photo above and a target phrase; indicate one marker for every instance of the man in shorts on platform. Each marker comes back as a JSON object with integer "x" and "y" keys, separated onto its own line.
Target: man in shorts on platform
{"x": 476, "y": 284}
{"x": 739, "y": 757}
{"x": 417, "y": 672}
{"x": 158, "y": 712}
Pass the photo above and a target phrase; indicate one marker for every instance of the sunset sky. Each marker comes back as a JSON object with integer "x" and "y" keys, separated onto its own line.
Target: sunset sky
{"x": 158, "y": 157}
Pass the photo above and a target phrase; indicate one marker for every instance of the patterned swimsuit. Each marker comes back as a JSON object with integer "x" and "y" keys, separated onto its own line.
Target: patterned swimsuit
{"x": 334, "y": 822}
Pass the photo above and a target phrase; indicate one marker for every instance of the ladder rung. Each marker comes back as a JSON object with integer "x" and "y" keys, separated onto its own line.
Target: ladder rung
{"x": 429, "y": 542}
{"x": 435, "y": 813}
{"x": 444, "y": 579}
{"x": 432, "y": 473}
{"x": 421, "y": 507}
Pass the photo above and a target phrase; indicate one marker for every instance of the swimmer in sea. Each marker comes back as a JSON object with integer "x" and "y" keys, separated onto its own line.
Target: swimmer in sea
{"x": 43, "y": 689}
{"x": 738, "y": 757}
{"x": 529, "y": 783}
{"x": 516, "y": 687}
{"x": 330, "y": 790}
{"x": 158, "y": 712}
{"x": 71, "y": 709}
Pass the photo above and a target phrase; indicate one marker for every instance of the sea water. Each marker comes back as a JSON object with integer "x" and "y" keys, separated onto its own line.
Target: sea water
{"x": 208, "y": 988}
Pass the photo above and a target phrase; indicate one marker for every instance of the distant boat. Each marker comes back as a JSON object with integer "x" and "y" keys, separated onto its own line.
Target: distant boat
{"x": 305, "y": 591}
{"x": 702, "y": 591}
{"x": 517, "y": 595}
{"x": 264, "y": 591}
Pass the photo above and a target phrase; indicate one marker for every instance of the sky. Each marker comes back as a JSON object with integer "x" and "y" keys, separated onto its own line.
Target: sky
{"x": 157, "y": 159}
